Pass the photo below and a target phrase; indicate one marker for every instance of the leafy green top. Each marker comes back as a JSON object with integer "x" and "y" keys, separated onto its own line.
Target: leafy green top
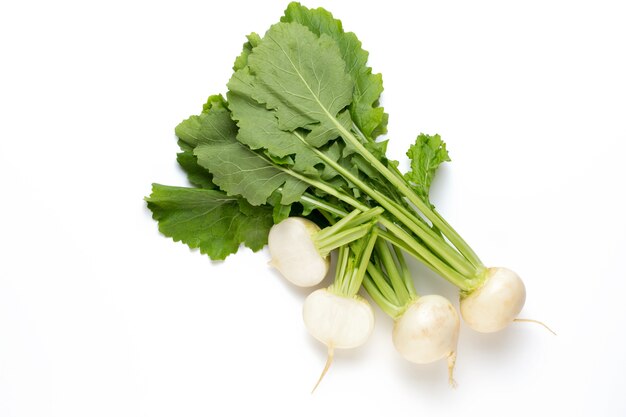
{"x": 364, "y": 110}
{"x": 426, "y": 155}
{"x": 209, "y": 219}
{"x": 300, "y": 126}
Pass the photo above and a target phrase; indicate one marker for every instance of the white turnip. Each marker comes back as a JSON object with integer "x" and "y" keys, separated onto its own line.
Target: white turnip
{"x": 427, "y": 331}
{"x": 294, "y": 254}
{"x": 496, "y": 303}
{"x": 339, "y": 322}
{"x": 300, "y": 250}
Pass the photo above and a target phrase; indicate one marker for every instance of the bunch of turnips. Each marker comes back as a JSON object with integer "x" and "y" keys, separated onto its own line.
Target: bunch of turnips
{"x": 290, "y": 157}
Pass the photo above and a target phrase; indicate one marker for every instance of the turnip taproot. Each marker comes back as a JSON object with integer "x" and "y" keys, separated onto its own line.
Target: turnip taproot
{"x": 427, "y": 331}
{"x": 426, "y": 328}
{"x": 496, "y": 303}
{"x": 300, "y": 250}
{"x": 337, "y": 316}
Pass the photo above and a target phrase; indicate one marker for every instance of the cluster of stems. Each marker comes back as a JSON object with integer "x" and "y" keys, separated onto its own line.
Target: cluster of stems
{"x": 409, "y": 224}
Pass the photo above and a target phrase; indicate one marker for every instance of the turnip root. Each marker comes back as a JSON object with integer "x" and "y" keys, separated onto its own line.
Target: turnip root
{"x": 339, "y": 322}
{"x": 427, "y": 331}
{"x": 300, "y": 249}
{"x": 337, "y": 316}
{"x": 294, "y": 254}
{"x": 496, "y": 303}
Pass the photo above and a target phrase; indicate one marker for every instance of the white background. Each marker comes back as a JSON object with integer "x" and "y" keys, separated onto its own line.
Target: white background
{"x": 100, "y": 315}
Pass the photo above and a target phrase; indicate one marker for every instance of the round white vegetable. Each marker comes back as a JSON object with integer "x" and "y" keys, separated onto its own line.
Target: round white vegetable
{"x": 294, "y": 254}
{"x": 496, "y": 303}
{"x": 428, "y": 330}
{"x": 338, "y": 322}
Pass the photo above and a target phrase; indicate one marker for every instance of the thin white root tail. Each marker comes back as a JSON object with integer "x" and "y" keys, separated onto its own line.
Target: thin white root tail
{"x": 451, "y": 363}
{"x": 536, "y": 322}
{"x": 329, "y": 361}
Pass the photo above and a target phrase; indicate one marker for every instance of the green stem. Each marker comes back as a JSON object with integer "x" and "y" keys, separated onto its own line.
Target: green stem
{"x": 337, "y": 227}
{"x": 342, "y": 269}
{"x": 392, "y": 167}
{"x": 364, "y": 260}
{"x": 405, "y": 272}
{"x": 326, "y": 245}
{"x": 406, "y": 190}
{"x": 431, "y": 260}
{"x": 389, "y": 308}
{"x": 364, "y": 217}
{"x": 323, "y": 205}
{"x": 435, "y": 242}
{"x": 396, "y": 281}
{"x": 428, "y": 257}
{"x": 326, "y": 188}
{"x": 352, "y": 264}
{"x": 399, "y": 243}
{"x": 463, "y": 247}
{"x": 382, "y": 284}
{"x": 353, "y": 219}
{"x": 360, "y": 134}
{"x": 342, "y": 264}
